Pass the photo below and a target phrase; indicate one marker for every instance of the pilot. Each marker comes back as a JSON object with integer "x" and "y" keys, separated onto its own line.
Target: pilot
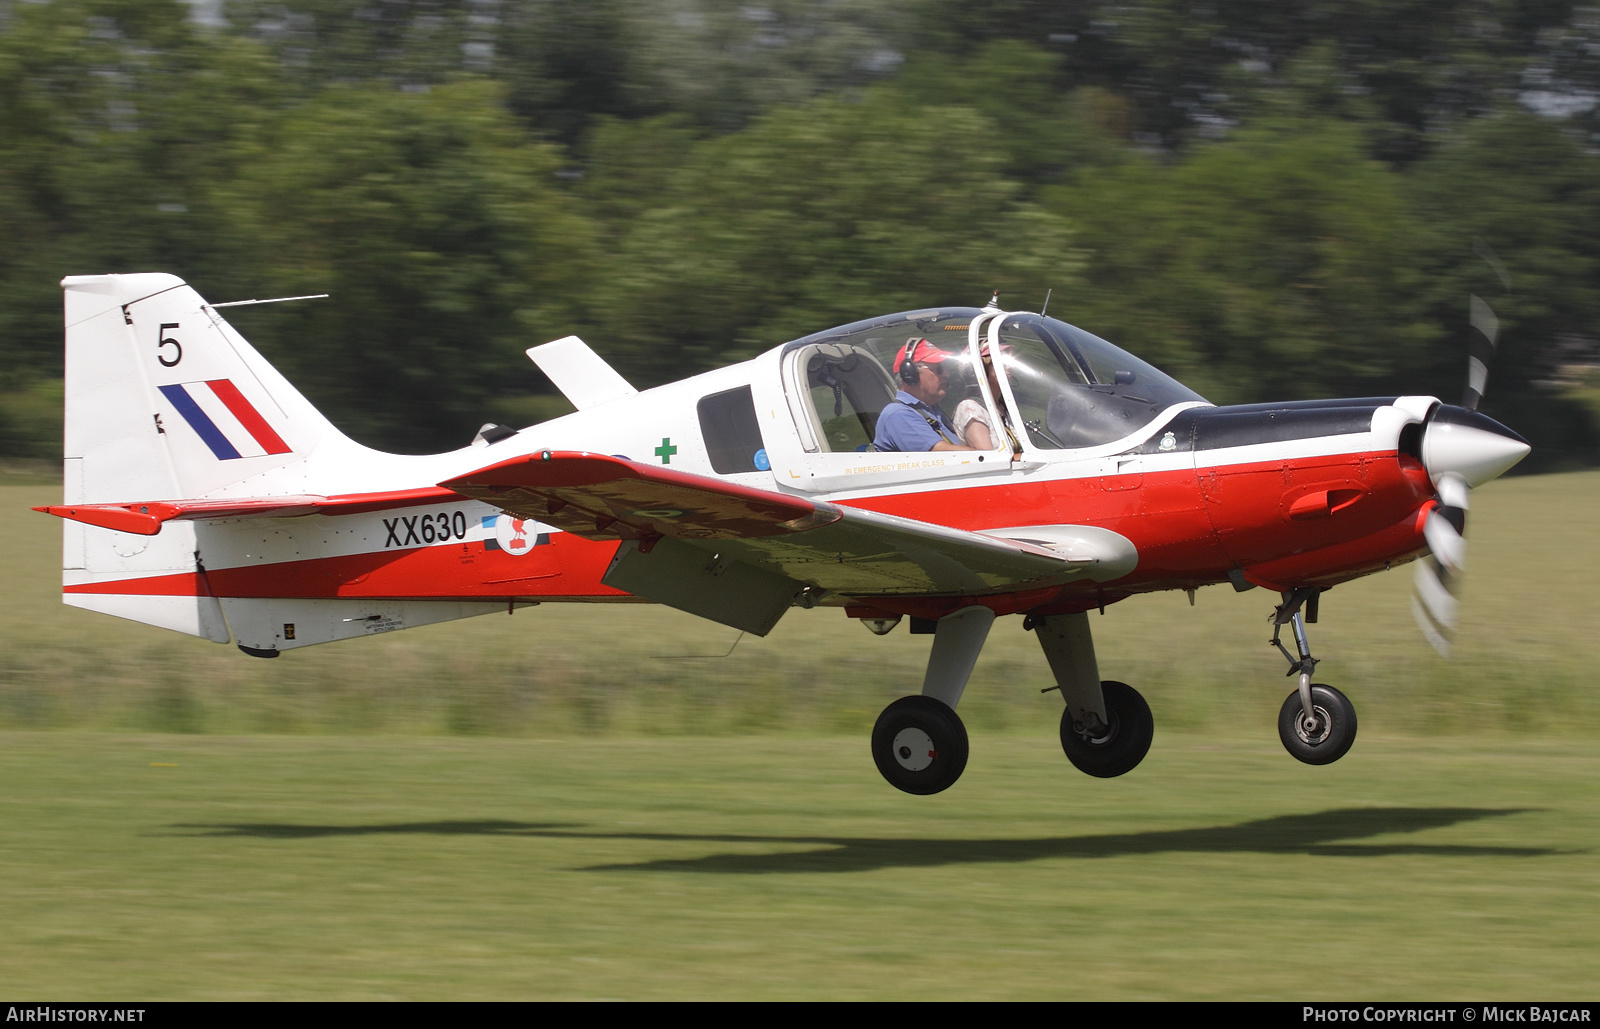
{"x": 913, "y": 421}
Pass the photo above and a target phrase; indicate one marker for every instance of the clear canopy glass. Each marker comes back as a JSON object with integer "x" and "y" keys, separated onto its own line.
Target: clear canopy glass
{"x": 1069, "y": 388}
{"x": 1074, "y": 389}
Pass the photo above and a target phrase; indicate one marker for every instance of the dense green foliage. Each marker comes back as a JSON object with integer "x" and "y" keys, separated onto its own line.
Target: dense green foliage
{"x": 1269, "y": 200}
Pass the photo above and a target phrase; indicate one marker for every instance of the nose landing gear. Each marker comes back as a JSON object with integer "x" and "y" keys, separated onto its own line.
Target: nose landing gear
{"x": 1317, "y": 723}
{"x": 1327, "y": 734}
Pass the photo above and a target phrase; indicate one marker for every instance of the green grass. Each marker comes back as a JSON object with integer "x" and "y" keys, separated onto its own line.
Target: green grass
{"x": 213, "y": 867}
{"x": 42, "y": 476}
{"x": 1524, "y": 663}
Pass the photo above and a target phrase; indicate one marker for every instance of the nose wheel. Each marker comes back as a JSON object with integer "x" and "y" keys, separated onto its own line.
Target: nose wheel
{"x": 920, "y": 745}
{"x": 1324, "y": 736}
{"x": 1317, "y": 723}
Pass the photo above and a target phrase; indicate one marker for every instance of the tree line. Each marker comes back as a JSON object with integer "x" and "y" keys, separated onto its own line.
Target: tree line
{"x": 1268, "y": 200}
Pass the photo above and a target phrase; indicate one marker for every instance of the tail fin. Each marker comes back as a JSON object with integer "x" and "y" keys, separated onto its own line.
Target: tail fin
{"x": 164, "y": 400}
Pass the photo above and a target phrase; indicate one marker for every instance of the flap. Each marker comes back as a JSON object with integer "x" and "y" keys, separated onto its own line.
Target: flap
{"x": 693, "y": 577}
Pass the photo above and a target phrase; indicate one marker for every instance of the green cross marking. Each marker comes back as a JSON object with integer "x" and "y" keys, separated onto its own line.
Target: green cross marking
{"x": 666, "y": 450}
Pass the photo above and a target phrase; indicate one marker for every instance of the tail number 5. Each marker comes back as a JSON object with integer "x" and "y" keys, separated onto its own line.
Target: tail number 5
{"x": 163, "y": 340}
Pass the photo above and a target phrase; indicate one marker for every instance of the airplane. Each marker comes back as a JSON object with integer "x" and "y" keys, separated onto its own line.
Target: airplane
{"x": 204, "y": 494}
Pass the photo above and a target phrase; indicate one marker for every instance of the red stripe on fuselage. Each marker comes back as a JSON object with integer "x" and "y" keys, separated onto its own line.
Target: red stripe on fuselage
{"x": 567, "y": 567}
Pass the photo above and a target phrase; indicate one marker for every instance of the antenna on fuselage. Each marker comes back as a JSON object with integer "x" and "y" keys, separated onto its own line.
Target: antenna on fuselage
{"x": 1046, "y": 306}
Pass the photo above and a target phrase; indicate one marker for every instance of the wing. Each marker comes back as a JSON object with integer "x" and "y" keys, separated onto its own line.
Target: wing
{"x": 690, "y": 533}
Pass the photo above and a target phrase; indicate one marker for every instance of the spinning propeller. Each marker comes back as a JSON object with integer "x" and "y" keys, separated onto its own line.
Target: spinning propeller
{"x": 1461, "y": 449}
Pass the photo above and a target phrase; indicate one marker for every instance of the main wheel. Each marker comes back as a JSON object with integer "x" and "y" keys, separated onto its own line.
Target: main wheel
{"x": 1328, "y": 735}
{"x": 1117, "y": 747}
{"x": 920, "y": 745}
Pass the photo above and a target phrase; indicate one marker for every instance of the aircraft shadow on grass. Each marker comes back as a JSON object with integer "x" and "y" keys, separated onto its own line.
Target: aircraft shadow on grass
{"x": 1327, "y": 833}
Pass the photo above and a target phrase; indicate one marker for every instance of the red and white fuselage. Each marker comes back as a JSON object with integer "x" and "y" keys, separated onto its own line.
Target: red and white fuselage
{"x": 204, "y": 494}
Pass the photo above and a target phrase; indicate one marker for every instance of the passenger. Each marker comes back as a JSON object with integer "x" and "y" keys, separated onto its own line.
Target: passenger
{"x": 913, "y": 421}
{"x": 972, "y": 416}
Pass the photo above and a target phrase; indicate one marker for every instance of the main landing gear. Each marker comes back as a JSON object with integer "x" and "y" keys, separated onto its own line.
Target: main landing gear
{"x": 1317, "y": 723}
{"x": 1117, "y": 745}
{"x": 1106, "y": 727}
{"x": 920, "y": 745}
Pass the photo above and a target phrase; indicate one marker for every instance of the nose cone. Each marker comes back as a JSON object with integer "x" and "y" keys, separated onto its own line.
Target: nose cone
{"x": 1469, "y": 445}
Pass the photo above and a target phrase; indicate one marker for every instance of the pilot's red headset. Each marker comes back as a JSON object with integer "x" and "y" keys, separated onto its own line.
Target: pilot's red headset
{"x": 908, "y": 370}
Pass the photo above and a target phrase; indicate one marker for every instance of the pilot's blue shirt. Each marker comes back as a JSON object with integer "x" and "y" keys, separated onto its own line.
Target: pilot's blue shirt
{"x": 902, "y": 426}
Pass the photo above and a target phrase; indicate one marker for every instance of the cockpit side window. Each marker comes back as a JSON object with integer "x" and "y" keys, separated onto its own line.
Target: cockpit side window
{"x": 731, "y": 432}
{"x": 848, "y": 387}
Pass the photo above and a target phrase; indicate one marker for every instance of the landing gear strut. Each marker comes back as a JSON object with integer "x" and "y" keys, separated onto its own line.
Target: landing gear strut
{"x": 1317, "y": 723}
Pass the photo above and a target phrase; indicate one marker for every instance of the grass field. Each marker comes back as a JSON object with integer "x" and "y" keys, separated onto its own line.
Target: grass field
{"x": 774, "y": 867}
{"x": 562, "y": 804}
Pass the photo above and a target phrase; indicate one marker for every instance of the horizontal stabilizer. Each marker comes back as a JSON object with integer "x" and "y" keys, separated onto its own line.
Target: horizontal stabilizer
{"x": 146, "y": 518}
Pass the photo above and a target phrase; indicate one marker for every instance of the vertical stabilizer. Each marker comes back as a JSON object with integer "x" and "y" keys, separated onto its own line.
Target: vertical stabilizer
{"x": 164, "y": 400}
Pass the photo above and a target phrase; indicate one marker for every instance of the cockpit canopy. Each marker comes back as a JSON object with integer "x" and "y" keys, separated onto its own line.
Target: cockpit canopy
{"x": 1070, "y": 389}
